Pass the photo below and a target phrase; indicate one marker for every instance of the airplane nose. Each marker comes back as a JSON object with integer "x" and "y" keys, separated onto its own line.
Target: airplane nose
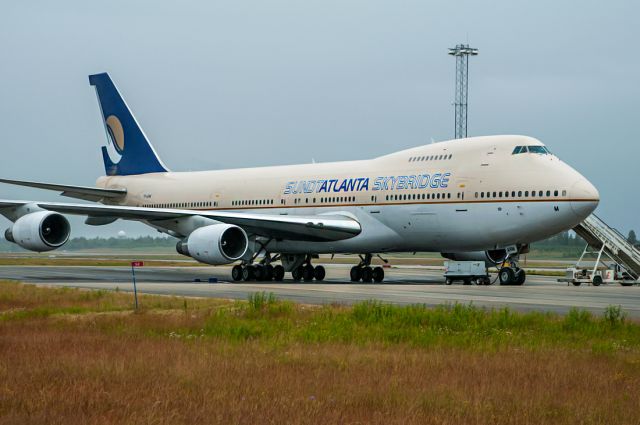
{"x": 585, "y": 198}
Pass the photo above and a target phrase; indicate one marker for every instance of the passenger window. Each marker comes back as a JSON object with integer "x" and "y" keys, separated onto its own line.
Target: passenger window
{"x": 533, "y": 193}
{"x": 526, "y": 193}
{"x": 564, "y": 193}
{"x": 519, "y": 193}
{"x": 555, "y": 193}
{"x": 482, "y": 194}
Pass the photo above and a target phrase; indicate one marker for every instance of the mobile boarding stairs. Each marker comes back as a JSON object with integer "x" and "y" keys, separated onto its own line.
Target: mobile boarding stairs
{"x": 603, "y": 240}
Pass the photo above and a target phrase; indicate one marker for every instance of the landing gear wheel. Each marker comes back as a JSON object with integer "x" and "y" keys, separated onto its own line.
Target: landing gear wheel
{"x": 576, "y": 283}
{"x": 268, "y": 272}
{"x": 507, "y": 276}
{"x": 319, "y": 273}
{"x": 307, "y": 273}
{"x": 236, "y": 273}
{"x": 259, "y": 273}
{"x": 597, "y": 280}
{"x": 521, "y": 276}
{"x": 367, "y": 274}
{"x": 278, "y": 273}
{"x": 378, "y": 274}
{"x": 248, "y": 273}
{"x": 296, "y": 273}
{"x": 356, "y": 274}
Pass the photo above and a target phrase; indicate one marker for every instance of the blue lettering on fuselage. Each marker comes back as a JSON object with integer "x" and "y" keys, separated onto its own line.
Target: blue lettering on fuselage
{"x": 359, "y": 184}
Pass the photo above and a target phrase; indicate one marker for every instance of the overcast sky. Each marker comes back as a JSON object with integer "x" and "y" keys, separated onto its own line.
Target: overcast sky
{"x": 219, "y": 84}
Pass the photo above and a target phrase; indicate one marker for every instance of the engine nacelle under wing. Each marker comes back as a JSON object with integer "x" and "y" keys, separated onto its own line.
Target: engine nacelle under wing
{"x": 490, "y": 257}
{"x": 215, "y": 244}
{"x": 39, "y": 231}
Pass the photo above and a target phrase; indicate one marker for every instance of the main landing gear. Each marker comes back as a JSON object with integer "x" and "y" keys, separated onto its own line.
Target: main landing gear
{"x": 307, "y": 272}
{"x": 510, "y": 273}
{"x": 365, "y": 273}
{"x": 259, "y": 272}
{"x": 264, "y": 271}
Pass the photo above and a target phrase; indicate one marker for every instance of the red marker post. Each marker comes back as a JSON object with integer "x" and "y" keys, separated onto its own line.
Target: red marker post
{"x": 135, "y": 264}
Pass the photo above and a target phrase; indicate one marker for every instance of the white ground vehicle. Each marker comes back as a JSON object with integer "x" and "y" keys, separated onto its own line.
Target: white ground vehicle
{"x": 596, "y": 277}
{"x": 467, "y": 272}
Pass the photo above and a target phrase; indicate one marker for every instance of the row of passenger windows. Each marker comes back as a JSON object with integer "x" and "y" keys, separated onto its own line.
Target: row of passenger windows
{"x": 430, "y": 158}
{"x": 542, "y": 150}
{"x": 342, "y": 199}
{"x": 327, "y": 200}
{"x": 252, "y": 202}
{"x": 195, "y": 204}
{"x": 418, "y": 196}
{"x": 520, "y": 194}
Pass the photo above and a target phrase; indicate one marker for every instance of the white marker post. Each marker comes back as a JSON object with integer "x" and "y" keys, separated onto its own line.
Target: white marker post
{"x": 135, "y": 264}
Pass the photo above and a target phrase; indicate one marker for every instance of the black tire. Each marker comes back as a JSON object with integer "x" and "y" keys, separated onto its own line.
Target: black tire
{"x": 236, "y": 273}
{"x": 507, "y": 276}
{"x": 576, "y": 283}
{"x": 319, "y": 273}
{"x": 355, "y": 274}
{"x": 248, "y": 273}
{"x": 296, "y": 273}
{"x": 367, "y": 274}
{"x": 521, "y": 276}
{"x": 623, "y": 283}
{"x": 597, "y": 280}
{"x": 259, "y": 273}
{"x": 307, "y": 273}
{"x": 378, "y": 274}
{"x": 448, "y": 281}
{"x": 278, "y": 273}
{"x": 268, "y": 272}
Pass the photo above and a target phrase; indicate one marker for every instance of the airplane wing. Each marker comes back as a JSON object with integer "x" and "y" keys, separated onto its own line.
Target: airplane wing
{"x": 80, "y": 192}
{"x": 322, "y": 227}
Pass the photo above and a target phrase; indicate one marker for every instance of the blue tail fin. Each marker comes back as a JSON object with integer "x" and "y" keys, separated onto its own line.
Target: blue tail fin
{"x": 128, "y": 150}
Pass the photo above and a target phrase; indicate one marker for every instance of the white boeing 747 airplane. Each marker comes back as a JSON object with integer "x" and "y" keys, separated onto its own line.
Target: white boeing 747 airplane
{"x": 482, "y": 198}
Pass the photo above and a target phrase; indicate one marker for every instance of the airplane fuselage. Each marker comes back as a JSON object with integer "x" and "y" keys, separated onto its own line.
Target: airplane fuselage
{"x": 460, "y": 195}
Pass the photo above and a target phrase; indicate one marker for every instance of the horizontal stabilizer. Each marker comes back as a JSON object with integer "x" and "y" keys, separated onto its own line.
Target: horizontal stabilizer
{"x": 80, "y": 192}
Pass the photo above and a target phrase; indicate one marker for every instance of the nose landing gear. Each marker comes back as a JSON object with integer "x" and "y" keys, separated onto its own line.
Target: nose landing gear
{"x": 511, "y": 274}
{"x": 365, "y": 273}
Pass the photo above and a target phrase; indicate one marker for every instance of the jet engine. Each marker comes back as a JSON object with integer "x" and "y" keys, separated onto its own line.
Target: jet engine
{"x": 215, "y": 244}
{"x": 39, "y": 231}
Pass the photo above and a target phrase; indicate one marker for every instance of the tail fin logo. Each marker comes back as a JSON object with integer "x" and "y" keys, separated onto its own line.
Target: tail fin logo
{"x": 115, "y": 133}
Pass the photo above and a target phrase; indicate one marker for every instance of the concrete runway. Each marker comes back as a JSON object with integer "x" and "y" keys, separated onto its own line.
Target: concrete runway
{"x": 403, "y": 285}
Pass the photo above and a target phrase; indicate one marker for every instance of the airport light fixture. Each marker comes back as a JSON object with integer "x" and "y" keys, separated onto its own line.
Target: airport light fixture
{"x": 462, "y": 53}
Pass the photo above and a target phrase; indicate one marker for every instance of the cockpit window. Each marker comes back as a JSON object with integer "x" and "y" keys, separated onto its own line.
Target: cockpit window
{"x": 538, "y": 149}
{"x": 541, "y": 150}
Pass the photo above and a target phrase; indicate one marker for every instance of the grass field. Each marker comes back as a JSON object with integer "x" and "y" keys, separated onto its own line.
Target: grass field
{"x": 72, "y": 356}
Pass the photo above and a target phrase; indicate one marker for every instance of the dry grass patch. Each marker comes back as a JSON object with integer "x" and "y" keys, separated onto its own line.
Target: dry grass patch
{"x": 265, "y": 361}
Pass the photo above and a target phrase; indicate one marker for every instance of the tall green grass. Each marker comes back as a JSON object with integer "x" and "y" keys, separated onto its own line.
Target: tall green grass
{"x": 455, "y": 325}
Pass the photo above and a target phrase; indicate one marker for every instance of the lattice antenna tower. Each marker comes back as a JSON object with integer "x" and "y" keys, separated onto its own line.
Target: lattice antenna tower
{"x": 462, "y": 53}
